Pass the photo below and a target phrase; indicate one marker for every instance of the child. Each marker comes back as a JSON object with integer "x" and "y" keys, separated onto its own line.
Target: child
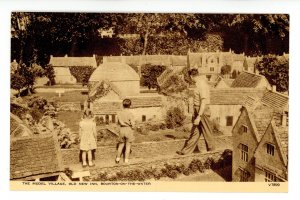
{"x": 88, "y": 137}
{"x": 126, "y": 123}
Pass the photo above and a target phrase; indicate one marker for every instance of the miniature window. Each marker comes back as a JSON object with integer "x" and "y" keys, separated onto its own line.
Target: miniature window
{"x": 212, "y": 69}
{"x": 244, "y": 152}
{"x": 270, "y": 177}
{"x": 244, "y": 129}
{"x": 270, "y": 149}
{"x": 244, "y": 175}
{"x": 113, "y": 118}
{"x": 143, "y": 118}
{"x": 229, "y": 120}
{"x": 107, "y": 119}
{"x": 208, "y": 77}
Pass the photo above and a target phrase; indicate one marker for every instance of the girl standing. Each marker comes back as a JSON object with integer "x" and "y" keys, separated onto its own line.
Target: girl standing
{"x": 88, "y": 138}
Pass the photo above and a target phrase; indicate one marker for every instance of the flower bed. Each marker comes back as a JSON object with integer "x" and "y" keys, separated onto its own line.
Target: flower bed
{"x": 167, "y": 171}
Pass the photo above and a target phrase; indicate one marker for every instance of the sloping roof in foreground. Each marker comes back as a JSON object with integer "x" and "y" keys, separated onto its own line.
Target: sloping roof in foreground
{"x": 33, "y": 156}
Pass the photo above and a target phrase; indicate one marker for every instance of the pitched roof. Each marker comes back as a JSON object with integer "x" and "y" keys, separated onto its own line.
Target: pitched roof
{"x": 168, "y": 72}
{"x": 233, "y": 96}
{"x": 178, "y": 60}
{"x": 34, "y": 155}
{"x": 114, "y": 71}
{"x": 145, "y": 101}
{"x": 107, "y": 107}
{"x": 238, "y": 57}
{"x": 281, "y": 134}
{"x": 112, "y": 86}
{"x": 18, "y": 128}
{"x": 246, "y": 79}
{"x": 72, "y": 61}
{"x": 261, "y": 117}
{"x": 275, "y": 100}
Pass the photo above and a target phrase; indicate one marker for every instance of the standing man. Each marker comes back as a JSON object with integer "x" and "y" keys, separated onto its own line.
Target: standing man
{"x": 201, "y": 114}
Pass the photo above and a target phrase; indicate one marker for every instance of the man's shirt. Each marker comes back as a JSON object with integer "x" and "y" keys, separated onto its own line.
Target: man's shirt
{"x": 201, "y": 91}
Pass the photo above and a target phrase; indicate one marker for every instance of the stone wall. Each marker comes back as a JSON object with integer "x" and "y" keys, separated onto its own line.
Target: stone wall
{"x": 145, "y": 150}
{"x": 69, "y": 106}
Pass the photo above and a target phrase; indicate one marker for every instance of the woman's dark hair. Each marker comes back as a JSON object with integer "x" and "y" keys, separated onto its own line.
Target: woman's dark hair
{"x": 87, "y": 113}
{"x": 126, "y": 103}
{"x": 193, "y": 72}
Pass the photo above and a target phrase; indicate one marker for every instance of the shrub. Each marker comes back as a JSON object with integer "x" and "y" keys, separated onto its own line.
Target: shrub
{"x": 154, "y": 127}
{"x": 162, "y": 126}
{"x": 82, "y": 73}
{"x": 150, "y": 73}
{"x": 36, "y": 114}
{"x": 175, "y": 117}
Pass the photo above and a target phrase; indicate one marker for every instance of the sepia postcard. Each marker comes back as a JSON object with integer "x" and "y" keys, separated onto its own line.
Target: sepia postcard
{"x": 174, "y": 102}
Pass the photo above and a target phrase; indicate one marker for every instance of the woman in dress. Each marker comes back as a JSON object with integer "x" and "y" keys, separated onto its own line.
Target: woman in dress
{"x": 88, "y": 138}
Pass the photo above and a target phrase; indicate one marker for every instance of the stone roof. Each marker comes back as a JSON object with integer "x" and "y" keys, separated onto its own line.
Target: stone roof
{"x": 238, "y": 57}
{"x": 168, "y": 73}
{"x": 282, "y": 136}
{"x": 246, "y": 79}
{"x": 34, "y": 156}
{"x": 72, "y": 61}
{"x": 18, "y": 128}
{"x": 114, "y": 71}
{"x": 275, "y": 100}
{"x": 107, "y": 107}
{"x": 233, "y": 96}
{"x": 178, "y": 60}
{"x": 106, "y": 83}
{"x": 145, "y": 101}
{"x": 261, "y": 117}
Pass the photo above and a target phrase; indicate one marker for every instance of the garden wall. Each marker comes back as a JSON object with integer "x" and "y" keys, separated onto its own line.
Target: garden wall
{"x": 145, "y": 150}
{"x": 69, "y": 106}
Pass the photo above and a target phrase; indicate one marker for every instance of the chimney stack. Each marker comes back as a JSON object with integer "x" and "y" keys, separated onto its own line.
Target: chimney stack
{"x": 273, "y": 88}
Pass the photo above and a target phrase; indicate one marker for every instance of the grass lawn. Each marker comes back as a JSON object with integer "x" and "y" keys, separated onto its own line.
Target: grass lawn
{"x": 70, "y": 119}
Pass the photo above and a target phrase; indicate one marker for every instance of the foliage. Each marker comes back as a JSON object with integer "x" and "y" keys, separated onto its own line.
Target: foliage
{"x": 17, "y": 82}
{"x": 226, "y": 69}
{"x": 30, "y": 73}
{"x": 66, "y": 138}
{"x": 101, "y": 90}
{"x": 168, "y": 170}
{"x": 50, "y": 74}
{"x": 174, "y": 117}
{"x": 276, "y": 71}
{"x": 174, "y": 84}
{"x": 37, "y": 35}
{"x": 82, "y": 73}
{"x": 234, "y": 74}
{"x": 150, "y": 73}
